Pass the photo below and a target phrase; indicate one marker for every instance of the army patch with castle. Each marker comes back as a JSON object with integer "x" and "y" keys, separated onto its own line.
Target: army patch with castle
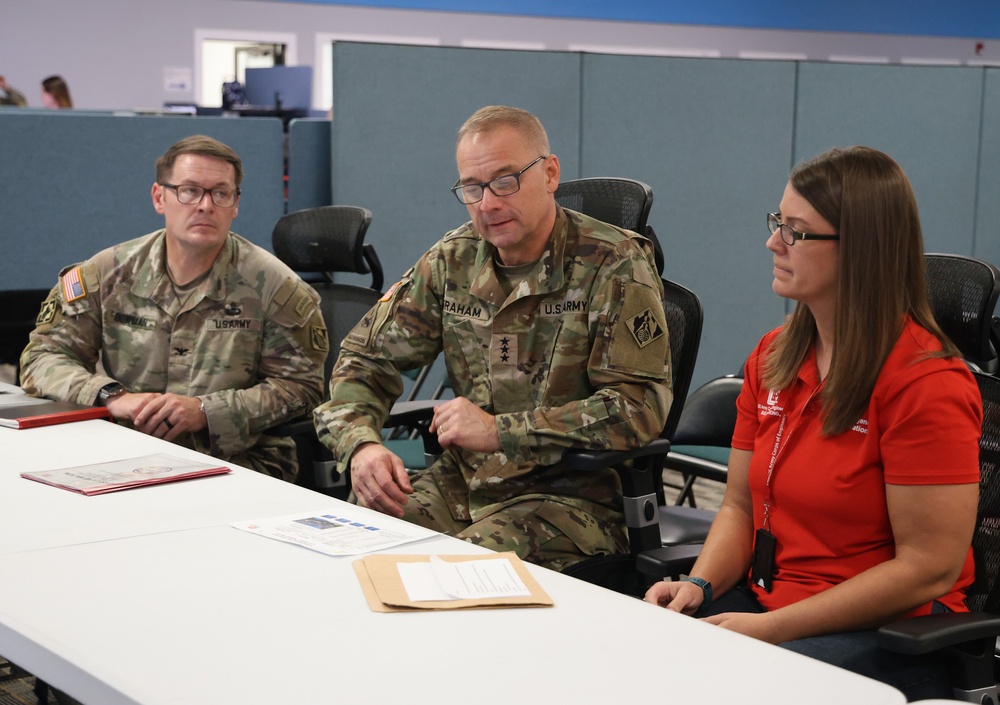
{"x": 644, "y": 328}
{"x": 47, "y": 313}
{"x": 320, "y": 339}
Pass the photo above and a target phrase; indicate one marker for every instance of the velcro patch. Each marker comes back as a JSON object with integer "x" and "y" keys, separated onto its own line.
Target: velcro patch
{"x": 504, "y": 349}
{"x": 390, "y": 291}
{"x": 72, "y": 284}
{"x": 233, "y": 324}
{"x": 320, "y": 339}
{"x": 644, "y": 328}
{"x": 47, "y": 313}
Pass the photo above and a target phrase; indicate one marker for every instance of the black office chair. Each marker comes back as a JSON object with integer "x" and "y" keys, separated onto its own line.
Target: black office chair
{"x": 18, "y": 311}
{"x": 968, "y": 640}
{"x": 707, "y": 422}
{"x": 963, "y": 292}
{"x": 624, "y": 203}
{"x": 641, "y": 470}
{"x": 316, "y": 243}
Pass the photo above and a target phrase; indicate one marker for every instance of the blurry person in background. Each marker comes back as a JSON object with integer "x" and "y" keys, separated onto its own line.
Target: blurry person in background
{"x": 55, "y": 93}
{"x": 11, "y": 96}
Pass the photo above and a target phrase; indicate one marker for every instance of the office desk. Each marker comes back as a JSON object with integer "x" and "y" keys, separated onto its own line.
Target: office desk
{"x": 205, "y": 613}
{"x": 43, "y": 517}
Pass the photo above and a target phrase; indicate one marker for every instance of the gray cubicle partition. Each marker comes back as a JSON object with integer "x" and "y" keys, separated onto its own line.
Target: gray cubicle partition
{"x": 986, "y": 244}
{"x": 926, "y": 117}
{"x": 396, "y": 113}
{"x": 308, "y": 164}
{"x": 713, "y": 139}
{"x": 74, "y": 184}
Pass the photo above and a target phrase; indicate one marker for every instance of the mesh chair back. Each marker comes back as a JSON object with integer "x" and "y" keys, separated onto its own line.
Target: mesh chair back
{"x": 624, "y": 203}
{"x": 963, "y": 294}
{"x": 684, "y": 321}
{"x": 984, "y": 595}
{"x": 327, "y": 239}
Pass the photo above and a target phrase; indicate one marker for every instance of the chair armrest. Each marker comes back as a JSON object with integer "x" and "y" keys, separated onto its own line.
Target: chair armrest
{"x": 699, "y": 467}
{"x": 417, "y": 415}
{"x": 921, "y": 635}
{"x": 411, "y": 413}
{"x": 668, "y": 560}
{"x": 593, "y": 460}
{"x": 299, "y": 426}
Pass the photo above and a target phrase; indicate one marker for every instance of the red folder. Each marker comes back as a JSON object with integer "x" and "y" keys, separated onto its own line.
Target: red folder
{"x": 32, "y": 415}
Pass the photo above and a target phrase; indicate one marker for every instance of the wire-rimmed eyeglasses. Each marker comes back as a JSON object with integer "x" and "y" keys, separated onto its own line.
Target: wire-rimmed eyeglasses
{"x": 188, "y": 194}
{"x": 789, "y": 235}
{"x": 501, "y": 186}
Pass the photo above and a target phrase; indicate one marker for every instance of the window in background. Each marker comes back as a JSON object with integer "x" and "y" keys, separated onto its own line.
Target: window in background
{"x": 222, "y": 56}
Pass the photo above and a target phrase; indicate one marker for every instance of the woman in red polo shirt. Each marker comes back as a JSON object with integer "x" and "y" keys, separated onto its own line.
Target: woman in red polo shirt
{"x": 853, "y": 478}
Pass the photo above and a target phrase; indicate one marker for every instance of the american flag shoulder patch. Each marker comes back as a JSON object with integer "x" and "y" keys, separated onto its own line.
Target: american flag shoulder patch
{"x": 72, "y": 285}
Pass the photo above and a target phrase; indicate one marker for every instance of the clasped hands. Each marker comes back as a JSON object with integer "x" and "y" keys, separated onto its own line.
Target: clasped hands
{"x": 686, "y": 598}
{"x": 378, "y": 477}
{"x": 164, "y": 416}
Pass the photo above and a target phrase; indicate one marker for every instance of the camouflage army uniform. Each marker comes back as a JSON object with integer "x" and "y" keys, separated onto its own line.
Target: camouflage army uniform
{"x": 577, "y": 355}
{"x": 252, "y": 348}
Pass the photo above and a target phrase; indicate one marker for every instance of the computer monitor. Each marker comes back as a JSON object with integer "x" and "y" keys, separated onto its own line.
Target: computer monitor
{"x": 280, "y": 87}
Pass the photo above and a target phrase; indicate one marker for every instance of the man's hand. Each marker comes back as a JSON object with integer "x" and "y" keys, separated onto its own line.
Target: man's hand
{"x": 459, "y": 423}
{"x": 164, "y": 416}
{"x": 379, "y": 479}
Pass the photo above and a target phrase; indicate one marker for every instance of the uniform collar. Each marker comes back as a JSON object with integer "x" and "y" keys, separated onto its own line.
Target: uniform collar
{"x": 546, "y": 276}
{"x": 153, "y": 282}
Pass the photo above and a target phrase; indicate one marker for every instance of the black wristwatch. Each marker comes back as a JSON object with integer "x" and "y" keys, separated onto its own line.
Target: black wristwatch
{"x": 706, "y": 588}
{"x": 109, "y": 391}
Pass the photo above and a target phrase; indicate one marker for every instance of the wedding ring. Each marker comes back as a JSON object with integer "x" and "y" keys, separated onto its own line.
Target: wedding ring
{"x": 166, "y": 422}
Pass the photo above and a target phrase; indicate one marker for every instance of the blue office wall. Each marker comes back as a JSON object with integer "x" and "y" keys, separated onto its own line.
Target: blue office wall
{"x": 397, "y": 111}
{"x": 74, "y": 184}
{"x": 977, "y": 19}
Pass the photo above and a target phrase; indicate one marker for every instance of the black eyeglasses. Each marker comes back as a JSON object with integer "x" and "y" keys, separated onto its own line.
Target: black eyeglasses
{"x": 188, "y": 195}
{"x": 501, "y": 186}
{"x": 788, "y": 235}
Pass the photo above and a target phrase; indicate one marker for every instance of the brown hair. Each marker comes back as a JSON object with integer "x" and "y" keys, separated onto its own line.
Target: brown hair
{"x": 494, "y": 116}
{"x": 202, "y": 145}
{"x": 57, "y": 88}
{"x": 867, "y": 197}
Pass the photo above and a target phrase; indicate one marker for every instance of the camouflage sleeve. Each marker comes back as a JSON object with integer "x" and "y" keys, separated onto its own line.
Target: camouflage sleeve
{"x": 60, "y": 359}
{"x": 290, "y": 373}
{"x": 628, "y": 367}
{"x": 401, "y": 332}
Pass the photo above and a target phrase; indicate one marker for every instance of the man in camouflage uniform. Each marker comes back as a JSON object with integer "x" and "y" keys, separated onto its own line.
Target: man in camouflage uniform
{"x": 191, "y": 333}
{"x": 554, "y": 336}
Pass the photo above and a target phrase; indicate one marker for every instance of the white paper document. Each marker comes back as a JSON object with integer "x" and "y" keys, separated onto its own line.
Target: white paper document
{"x": 441, "y": 580}
{"x": 339, "y": 532}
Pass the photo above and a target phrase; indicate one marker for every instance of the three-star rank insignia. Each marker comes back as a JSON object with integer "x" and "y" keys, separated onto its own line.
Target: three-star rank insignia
{"x": 504, "y": 349}
{"x": 644, "y": 328}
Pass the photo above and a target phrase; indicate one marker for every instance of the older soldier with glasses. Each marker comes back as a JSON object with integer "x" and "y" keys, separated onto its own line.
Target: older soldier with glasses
{"x": 204, "y": 339}
{"x": 553, "y": 334}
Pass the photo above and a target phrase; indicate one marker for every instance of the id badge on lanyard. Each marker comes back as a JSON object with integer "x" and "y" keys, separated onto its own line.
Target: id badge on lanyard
{"x": 764, "y": 542}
